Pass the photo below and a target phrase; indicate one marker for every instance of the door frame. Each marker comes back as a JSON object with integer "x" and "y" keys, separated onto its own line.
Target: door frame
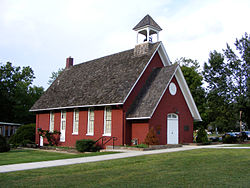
{"x": 63, "y": 119}
{"x": 173, "y": 117}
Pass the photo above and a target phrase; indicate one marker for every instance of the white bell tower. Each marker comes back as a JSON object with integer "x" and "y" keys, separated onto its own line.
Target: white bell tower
{"x": 147, "y": 27}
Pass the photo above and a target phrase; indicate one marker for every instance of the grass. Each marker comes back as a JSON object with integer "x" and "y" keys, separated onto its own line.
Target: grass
{"x": 136, "y": 146}
{"x": 240, "y": 145}
{"x": 25, "y": 156}
{"x": 194, "y": 168}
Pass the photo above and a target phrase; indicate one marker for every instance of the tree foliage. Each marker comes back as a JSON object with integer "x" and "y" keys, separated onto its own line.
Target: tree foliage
{"x": 24, "y": 135}
{"x": 202, "y": 136}
{"x": 151, "y": 138}
{"x": 54, "y": 76}
{"x": 190, "y": 69}
{"x": 227, "y": 76}
{"x": 52, "y": 137}
{"x": 17, "y": 95}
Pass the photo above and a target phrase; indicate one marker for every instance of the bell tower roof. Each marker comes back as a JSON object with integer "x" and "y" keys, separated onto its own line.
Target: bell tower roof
{"x": 147, "y": 21}
{"x": 148, "y": 28}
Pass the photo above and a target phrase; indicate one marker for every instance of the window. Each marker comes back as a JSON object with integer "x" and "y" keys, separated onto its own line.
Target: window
{"x": 63, "y": 126}
{"x": 76, "y": 122}
{"x": 186, "y": 128}
{"x": 107, "y": 121}
{"x": 173, "y": 116}
{"x": 63, "y": 120}
{"x": 51, "y": 123}
{"x": 91, "y": 119}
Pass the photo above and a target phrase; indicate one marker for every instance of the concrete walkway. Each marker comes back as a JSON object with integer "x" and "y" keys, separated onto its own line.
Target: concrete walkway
{"x": 126, "y": 154}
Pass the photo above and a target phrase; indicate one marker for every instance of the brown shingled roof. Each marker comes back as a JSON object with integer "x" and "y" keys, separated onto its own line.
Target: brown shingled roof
{"x": 105, "y": 80}
{"x": 150, "y": 95}
{"x": 147, "y": 21}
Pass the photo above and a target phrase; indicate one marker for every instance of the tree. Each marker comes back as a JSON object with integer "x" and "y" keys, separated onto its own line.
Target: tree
{"x": 227, "y": 76}
{"x": 16, "y": 93}
{"x": 54, "y": 76}
{"x": 193, "y": 77}
{"x": 239, "y": 67}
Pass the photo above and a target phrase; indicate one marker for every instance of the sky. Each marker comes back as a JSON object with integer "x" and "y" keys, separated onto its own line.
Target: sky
{"x": 43, "y": 33}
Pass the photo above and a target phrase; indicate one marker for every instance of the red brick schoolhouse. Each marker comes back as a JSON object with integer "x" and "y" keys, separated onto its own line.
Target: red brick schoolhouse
{"x": 122, "y": 95}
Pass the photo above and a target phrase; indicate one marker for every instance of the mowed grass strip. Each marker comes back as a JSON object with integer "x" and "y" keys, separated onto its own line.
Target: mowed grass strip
{"x": 194, "y": 168}
{"x": 240, "y": 145}
{"x": 25, "y": 155}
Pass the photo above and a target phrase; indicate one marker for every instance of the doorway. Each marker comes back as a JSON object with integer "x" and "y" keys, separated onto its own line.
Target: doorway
{"x": 172, "y": 129}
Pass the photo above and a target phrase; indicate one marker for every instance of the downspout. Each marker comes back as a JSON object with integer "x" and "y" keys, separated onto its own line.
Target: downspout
{"x": 124, "y": 128}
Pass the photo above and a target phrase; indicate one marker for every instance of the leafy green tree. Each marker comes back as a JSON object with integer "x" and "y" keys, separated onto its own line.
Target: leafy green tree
{"x": 239, "y": 67}
{"x": 193, "y": 77}
{"x": 54, "y": 75}
{"x": 227, "y": 76}
{"x": 219, "y": 112}
{"x": 17, "y": 95}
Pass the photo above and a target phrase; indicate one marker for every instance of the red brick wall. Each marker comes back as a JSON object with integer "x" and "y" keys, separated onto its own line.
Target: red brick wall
{"x": 140, "y": 131}
{"x": 171, "y": 104}
{"x": 70, "y": 140}
{"x": 155, "y": 62}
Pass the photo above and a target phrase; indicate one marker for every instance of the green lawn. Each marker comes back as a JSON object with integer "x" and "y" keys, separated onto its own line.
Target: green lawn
{"x": 194, "y": 168}
{"x": 25, "y": 156}
{"x": 241, "y": 145}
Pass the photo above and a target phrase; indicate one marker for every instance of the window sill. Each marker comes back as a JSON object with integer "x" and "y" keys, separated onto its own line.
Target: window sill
{"x": 106, "y": 135}
{"x": 74, "y": 133}
{"x": 89, "y": 134}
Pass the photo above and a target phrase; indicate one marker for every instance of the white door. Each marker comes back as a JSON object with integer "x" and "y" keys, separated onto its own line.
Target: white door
{"x": 63, "y": 126}
{"x": 172, "y": 129}
{"x": 41, "y": 141}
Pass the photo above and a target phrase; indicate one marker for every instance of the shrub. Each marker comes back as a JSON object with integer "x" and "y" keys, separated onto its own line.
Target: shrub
{"x": 86, "y": 145}
{"x": 52, "y": 137}
{"x": 202, "y": 136}
{"x": 4, "y": 146}
{"x": 141, "y": 146}
{"x": 151, "y": 138}
{"x": 25, "y": 134}
{"x": 229, "y": 139}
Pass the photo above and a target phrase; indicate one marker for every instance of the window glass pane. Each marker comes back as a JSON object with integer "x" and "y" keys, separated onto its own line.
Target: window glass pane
{"x": 108, "y": 118}
{"x": 63, "y": 115}
{"x": 91, "y": 127}
{"x": 51, "y": 128}
{"x": 76, "y": 121}
{"x": 91, "y": 121}
{"x": 108, "y": 127}
{"x": 63, "y": 125}
{"x": 76, "y": 127}
{"x": 76, "y": 115}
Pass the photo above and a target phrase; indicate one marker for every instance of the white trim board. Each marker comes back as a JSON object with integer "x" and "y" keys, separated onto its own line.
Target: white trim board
{"x": 187, "y": 95}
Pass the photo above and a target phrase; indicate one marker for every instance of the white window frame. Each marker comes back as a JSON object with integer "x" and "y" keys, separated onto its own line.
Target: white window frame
{"x": 105, "y": 122}
{"x": 63, "y": 119}
{"x": 75, "y": 123}
{"x": 89, "y": 133}
{"x": 51, "y": 121}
